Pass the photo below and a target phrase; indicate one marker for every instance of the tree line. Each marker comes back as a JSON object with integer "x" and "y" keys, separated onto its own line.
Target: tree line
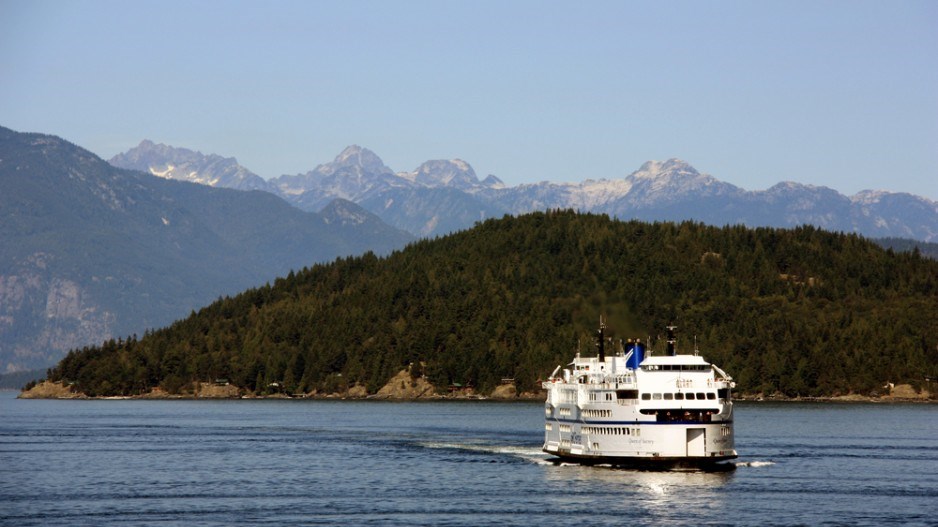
{"x": 801, "y": 312}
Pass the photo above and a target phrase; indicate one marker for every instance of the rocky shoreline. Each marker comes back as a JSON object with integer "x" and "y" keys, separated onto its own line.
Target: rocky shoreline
{"x": 403, "y": 387}
{"x": 50, "y": 390}
{"x": 900, "y": 393}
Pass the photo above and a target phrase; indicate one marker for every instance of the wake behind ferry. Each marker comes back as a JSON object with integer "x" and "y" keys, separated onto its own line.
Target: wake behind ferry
{"x": 630, "y": 409}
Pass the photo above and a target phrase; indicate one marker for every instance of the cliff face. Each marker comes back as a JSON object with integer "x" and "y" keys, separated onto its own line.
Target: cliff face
{"x": 70, "y": 317}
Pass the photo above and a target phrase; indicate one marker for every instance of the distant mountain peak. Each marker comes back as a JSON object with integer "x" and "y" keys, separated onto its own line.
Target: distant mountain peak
{"x": 661, "y": 183}
{"x": 672, "y": 174}
{"x": 492, "y": 181}
{"x": 359, "y": 159}
{"x": 670, "y": 168}
{"x": 793, "y": 186}
{"x": 454, "y": 173}
{"x": 867, "y": 197}
{"x": 182, "y": 164}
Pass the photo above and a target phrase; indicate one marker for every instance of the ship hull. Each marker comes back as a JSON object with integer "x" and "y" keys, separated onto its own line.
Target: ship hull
{"x": 713, "y": 463}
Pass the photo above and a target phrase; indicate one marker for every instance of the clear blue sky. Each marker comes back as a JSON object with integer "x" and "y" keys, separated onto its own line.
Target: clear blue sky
{"x": 836, "y": 93}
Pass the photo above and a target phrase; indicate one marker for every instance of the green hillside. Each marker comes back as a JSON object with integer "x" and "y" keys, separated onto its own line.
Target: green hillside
{"x": 801, "y": 312}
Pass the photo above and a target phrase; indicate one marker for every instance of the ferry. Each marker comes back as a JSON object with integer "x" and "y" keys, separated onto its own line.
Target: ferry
{"x": 638, "y": 409}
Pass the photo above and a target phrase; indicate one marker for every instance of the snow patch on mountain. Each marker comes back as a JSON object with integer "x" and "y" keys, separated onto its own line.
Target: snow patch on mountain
{"x": 187, "y": 165}
{"x": 592, "y": 194}
{"x": 166, "y": 174}
{"x": 868, "y": 197}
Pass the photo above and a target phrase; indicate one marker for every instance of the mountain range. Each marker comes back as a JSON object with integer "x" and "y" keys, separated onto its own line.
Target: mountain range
{"x": 90, "y": 251}
{"x": 442, "y": 196}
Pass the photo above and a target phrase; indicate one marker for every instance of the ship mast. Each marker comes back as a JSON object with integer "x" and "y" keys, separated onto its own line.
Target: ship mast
{"x": 671, "y": 340}
{"x": 602, "y": 340}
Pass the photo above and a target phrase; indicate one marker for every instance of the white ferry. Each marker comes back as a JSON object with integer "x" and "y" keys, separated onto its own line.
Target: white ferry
{"x": 644, "y": 411}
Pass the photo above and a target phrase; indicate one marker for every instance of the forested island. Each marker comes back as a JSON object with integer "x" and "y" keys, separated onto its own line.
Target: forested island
{"x": 790, "y": 312}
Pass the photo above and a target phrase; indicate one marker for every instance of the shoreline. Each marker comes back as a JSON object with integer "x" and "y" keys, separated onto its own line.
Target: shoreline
{"x": 839, "y": 399}
{"x": 205, "y": 391}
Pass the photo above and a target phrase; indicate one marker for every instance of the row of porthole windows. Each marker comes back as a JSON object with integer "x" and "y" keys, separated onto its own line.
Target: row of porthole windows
{"x": 597, "y": 413}
{"x": 612, "y": 431}
{"x": 679, "y": 396}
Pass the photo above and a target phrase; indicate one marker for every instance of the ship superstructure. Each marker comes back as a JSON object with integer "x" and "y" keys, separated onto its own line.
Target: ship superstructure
{"x": 634, "y": 408}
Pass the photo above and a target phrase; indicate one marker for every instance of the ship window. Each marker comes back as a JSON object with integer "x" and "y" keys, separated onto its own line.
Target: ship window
{"x": 627, "y": 394}
{"x": 646, "y": 396}
{"x": 656, "y": 396}
{"x": 690, "y": 396}
{"x": 711, "y": 395}
{"x": 668, "y": 396}
{"x": 701, "y": 396}
{"x": 679, "y": 396}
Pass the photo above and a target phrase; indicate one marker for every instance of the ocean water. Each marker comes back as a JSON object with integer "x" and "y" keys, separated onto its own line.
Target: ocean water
{"x": 300, "y": 462}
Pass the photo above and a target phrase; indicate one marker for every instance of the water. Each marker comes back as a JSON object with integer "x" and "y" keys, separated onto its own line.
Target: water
{"x": 475, "y": 463}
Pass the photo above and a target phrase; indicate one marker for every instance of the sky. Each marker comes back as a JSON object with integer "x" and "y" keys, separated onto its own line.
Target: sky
{"x": 842, "y": 94}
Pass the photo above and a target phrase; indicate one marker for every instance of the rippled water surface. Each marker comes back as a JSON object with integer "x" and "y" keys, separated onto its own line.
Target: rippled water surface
{"x": 443, "y": 463}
